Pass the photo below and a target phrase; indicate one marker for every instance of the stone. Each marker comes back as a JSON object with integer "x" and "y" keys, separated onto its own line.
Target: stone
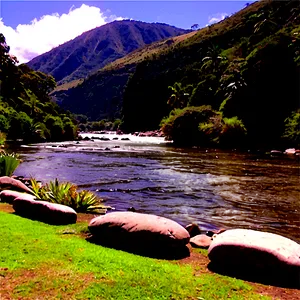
{"x": 193, "y": 229}
{"x": 257, "y": 253}
{"x": 51, "y": 213}
{"x": 201, "y": 241}
{"x": 8, "y": 183}
{"x": 139, "y": 229}
{"x": 9, "y": 196}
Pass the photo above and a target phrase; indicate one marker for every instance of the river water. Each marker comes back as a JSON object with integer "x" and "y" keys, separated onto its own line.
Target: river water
{"x": 210, "y": 187}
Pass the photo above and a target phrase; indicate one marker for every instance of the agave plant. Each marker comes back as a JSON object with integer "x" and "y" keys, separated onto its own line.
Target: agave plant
{"x": 66, "y": 193}
{"x": 8, "y": 163}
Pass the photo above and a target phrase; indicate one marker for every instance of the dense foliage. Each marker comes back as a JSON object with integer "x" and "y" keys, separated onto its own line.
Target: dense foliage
{"x": 67, "y": 194}
{"x": 26, "y": 110}
{"x": 246, "y": 68}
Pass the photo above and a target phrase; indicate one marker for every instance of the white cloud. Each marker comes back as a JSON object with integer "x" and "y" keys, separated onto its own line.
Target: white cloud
{"x": 216, "y": 18}
{"x": 41, "y": 35}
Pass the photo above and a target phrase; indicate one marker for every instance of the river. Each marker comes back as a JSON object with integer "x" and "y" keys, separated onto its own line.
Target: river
{"x": 210, "y": 187}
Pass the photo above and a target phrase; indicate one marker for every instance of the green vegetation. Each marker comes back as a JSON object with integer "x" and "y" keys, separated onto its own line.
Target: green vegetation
{"x": 292, "y": 129}
{"x": 42, "y": 261}
{"x": 8, "y": 163}
{"x": 67, "y": 194}
{"x": 26, "y": 110}
{"x": 245, "y": 67}
{"x": 202, "y": 125}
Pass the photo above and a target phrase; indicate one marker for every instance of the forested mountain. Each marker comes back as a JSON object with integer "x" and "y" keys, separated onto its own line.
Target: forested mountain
{"x": 26, "y": 110}
{"x": 96, "y": 48}
{"x": 229, "y": 84}
{"x": 245, "y": 70}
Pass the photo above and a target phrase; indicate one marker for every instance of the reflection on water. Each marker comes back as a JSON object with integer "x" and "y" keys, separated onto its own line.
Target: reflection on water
{"x": 210, "y": 187}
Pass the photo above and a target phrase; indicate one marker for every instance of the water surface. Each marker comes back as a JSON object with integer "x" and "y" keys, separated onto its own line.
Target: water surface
{"x": 210, "y": 187}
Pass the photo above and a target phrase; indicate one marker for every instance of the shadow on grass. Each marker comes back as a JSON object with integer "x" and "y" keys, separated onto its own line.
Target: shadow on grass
{"x": 280, "y": 277}
{"x": 160, "y": 251}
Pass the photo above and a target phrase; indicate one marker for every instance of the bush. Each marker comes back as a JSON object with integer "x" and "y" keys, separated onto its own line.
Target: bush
{"x": 233, "y": 132}
{"x": 67, "y": 194}
{"x": 292, "y": 129}
{"x": 8, "y": 163}
{"x": 182, "y": 125}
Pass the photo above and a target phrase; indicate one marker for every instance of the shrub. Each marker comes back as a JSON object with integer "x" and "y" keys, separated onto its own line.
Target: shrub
{"x": 292, "y": 129}
{"x": 233, "y": 132}
{"x": 67, "y": 194}
{"x": 8, "y": 163}
{"x": 182, "y": 125}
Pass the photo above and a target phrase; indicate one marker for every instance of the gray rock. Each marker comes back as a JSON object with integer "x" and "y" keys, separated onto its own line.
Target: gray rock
{"x": 193, "y": 229}
{"x": 8, "y": 183}
{"x": 257, "y": 253}
{"x": 9, "y": 196}
{"x": 139, "y": 229}
{"x": 201, "y": 241}
{"x": 51, "y": 213}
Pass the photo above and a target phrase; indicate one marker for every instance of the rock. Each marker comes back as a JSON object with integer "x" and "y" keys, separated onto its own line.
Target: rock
{"x": 201, "y": 241}
{"x": 139, "y": 229}
{"x": 211, "y": 233}
{"x": 51, "y": 213}
{"x": 8, "y": 183}
{"x": 256, "y": 253}
{"x": 9, "y": 196}
{"x": 193, "y": 229}
{"x": 125, "y": 139}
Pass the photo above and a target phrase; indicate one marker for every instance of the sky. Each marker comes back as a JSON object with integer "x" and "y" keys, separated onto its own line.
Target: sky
{"x": 32, "y": 28}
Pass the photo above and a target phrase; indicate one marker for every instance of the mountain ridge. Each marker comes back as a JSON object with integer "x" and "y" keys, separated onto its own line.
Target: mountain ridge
{"x": 97, "y": 47}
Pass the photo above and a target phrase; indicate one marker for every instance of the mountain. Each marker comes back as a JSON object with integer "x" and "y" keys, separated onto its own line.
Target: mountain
{"x": 100, "y": 95}
{"x": 246, "y": 68}
{"x": 98, "y": 47}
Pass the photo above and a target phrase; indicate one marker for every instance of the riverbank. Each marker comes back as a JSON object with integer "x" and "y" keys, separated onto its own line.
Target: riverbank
{"x": 73, "y": 271}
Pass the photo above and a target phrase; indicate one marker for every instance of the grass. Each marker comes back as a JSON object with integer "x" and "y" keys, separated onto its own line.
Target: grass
{"x": 53, "y": 262}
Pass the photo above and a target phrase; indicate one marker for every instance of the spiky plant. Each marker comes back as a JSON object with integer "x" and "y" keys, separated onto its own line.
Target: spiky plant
{"x": 8, "y": 163}
{"x": 66, "y": 193}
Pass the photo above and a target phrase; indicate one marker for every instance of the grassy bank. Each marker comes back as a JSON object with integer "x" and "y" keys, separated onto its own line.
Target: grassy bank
{"x": 39, "y": 261}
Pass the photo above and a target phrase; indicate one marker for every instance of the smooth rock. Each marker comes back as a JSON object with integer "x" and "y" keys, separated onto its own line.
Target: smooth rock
{"x": 9, "y": 196}
{"x": 255, "y": 250}
{"x": 139, "y": 229}
{"x": 51, "y": 213}
{"x": 201, "y": 241}
{"x": 193, "y": 229}
{"x": 8, "y": 183}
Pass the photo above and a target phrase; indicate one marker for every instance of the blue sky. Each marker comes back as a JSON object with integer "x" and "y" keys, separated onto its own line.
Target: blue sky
{"x": 34, "y": 27}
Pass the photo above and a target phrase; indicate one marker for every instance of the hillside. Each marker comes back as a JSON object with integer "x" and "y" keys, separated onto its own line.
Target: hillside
{"x": 100, "y": 95}
{"x": 246, "y": 68}
{"x": 98, "y": 47}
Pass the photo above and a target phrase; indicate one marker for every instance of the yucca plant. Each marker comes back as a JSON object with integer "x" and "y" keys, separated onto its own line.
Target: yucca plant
{"x": 8, "y": 163}
{"x": 66, "y": 193}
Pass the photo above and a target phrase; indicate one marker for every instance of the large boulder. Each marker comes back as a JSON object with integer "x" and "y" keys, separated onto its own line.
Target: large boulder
{"x": 136, "y": 230}
{"x": 51, "y": 213}
{"x": 257, "y": 254}
{"x": 8, "y": 183}
{"x": 9, "y": 196}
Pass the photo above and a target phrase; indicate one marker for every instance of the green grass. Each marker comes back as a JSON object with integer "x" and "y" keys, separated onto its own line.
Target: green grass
{"x": 54, "y": 262}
